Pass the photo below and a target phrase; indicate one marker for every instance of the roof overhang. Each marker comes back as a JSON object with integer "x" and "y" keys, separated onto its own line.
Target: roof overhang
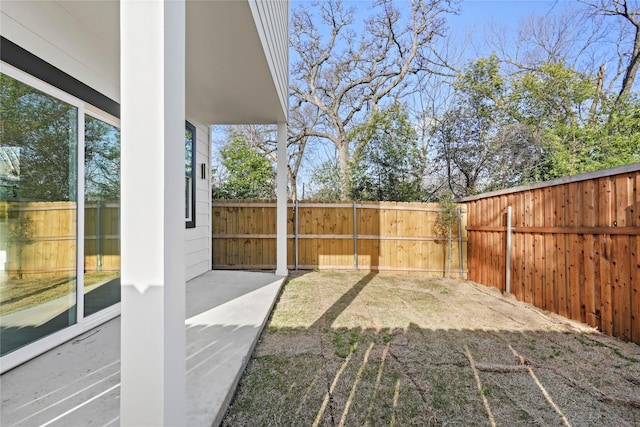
{"x": 229, "y": 76}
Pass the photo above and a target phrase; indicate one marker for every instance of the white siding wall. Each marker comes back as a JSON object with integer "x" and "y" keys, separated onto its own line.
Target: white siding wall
{"x": 272, "y": 22}
{"x": 198, "y": 239}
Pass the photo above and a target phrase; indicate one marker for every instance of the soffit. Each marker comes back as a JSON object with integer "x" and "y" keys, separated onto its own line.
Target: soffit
{"x": 228, "y": 80}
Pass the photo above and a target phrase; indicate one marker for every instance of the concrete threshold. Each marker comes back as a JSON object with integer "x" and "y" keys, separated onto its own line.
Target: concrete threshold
{"x": 77, "y": 383}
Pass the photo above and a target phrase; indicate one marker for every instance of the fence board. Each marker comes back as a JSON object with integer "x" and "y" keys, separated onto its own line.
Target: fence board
{"x": 575, "y": 247}
{"x": 562, "y": 282}
{"x": 549, "y": 259}
{"x": 398, "y": 237}
{"x": 588, "y": 262}
{"x": 635, "y": 289}
{"x": 635, "y": 262}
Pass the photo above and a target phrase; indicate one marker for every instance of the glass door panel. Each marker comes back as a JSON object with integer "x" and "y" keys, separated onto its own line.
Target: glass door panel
{"x": 101, "y": 215}
{"x": 38, "y": 214}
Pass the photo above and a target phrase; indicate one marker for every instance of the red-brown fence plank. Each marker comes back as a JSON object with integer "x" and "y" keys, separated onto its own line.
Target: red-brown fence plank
{"x": 529, "y": 251}
{"x": 634, "y": 252}
{"x": 635, "y": 288}
{"x": 562, "y": 282}
{"x": 549, "y": 245}
{"x": 581, "y": 259}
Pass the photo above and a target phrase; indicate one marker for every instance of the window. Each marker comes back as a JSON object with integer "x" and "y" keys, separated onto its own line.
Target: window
{"x": 189, "y": 175}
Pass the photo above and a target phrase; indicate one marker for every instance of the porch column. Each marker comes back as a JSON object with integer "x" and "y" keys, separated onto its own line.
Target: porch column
{"x": 281, "y": 188}
{"x": 152, "y": 37}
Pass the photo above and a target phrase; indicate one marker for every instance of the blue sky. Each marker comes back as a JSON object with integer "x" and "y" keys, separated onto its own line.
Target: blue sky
{"x": 508, "y": 11}
{"x": 479, "y": 12}
{"x": 475, "y": 15}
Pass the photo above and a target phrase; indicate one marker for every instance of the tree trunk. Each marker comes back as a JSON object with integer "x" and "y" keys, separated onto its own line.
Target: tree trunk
{"x": 632, "y": 69}
{"x": 343, "y": 167}
{"x": 293, "y": 185}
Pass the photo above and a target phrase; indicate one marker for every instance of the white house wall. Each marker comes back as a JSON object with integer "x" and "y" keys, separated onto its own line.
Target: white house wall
{"x": 272, "y": 22}
{"x": 81, "y": 42}
{"x": 198, "y": 239}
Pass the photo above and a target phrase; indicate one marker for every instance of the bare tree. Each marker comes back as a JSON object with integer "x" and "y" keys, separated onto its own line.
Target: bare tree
{"x": 569, "y": 36}
{"x": 628, "y": 11}
{"x": 346, "y": 75}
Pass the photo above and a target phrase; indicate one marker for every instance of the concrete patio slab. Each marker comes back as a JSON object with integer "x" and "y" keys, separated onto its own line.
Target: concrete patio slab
{"x": 77, "y": 383}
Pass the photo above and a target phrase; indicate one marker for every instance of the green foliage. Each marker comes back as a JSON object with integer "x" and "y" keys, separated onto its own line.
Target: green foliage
{"x": 249, "y": 173}
{"x": 620, "y": 134}
{"x": 447, "y": 216}
{"x": 102, "y": 160}
{"x": 40, "y": 135}
{"x": 479, "y": 144}
{"x": 326, "y": 178}
{"x": 481, "y": 86}
{"x": 387, "y": 163}
{"x": 546, "y": 122}
{"x": 551, "y": 94}
{"x": 42, "y": 131}
{"x": 582, "y": 130}
{"x": 446, "y": 219}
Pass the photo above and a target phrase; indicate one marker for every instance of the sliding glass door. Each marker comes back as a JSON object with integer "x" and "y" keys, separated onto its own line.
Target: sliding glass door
{"x": 39, "y": 214}
{"x": 59, "y": 181}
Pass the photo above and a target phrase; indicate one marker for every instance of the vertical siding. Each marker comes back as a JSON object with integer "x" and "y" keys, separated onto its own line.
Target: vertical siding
{"x": 272, "y": 22}
{"x": 575, "y": 247}
{"x": 198, "y": 239}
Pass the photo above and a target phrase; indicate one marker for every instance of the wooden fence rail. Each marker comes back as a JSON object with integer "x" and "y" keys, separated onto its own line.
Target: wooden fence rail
{"x": 376, "y": 236}
{"x": 575, "y": 247}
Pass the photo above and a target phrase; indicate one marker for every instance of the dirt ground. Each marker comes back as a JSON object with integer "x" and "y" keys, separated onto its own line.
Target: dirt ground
{"x": 361, "y": 349}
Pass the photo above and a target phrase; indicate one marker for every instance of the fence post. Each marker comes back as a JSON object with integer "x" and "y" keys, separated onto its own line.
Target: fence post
{"x": 461, "y": 273}
{"x": 508, "y": 254}
{"x": 99, "y": 235}
{"x": 297, "y": 206}
{"x": 448, "y": 273}
{"x": 355, "y": 237}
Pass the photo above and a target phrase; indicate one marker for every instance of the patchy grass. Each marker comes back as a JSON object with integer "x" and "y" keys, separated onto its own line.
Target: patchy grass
{"x": 366, "y": 349}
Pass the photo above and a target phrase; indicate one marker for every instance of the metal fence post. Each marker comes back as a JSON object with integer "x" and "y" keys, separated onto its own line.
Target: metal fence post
{"x": 99, "y": 235}
{"x": 297, "y": 207}
{"x": 355, "y": 237}
{"x": 460, "y": 242}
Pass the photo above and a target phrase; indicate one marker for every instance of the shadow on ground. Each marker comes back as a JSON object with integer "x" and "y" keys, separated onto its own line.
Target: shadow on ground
{"x": 354, "y": 349}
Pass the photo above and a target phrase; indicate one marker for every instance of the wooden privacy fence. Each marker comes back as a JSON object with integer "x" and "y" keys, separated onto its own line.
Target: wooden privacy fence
{"x": 574, "y": 247}
{"x": 371, "y": 236}
{"x": 39, "y": 238}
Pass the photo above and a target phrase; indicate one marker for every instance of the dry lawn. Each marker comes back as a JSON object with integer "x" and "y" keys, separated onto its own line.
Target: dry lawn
{"x": 358, "y": 349}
